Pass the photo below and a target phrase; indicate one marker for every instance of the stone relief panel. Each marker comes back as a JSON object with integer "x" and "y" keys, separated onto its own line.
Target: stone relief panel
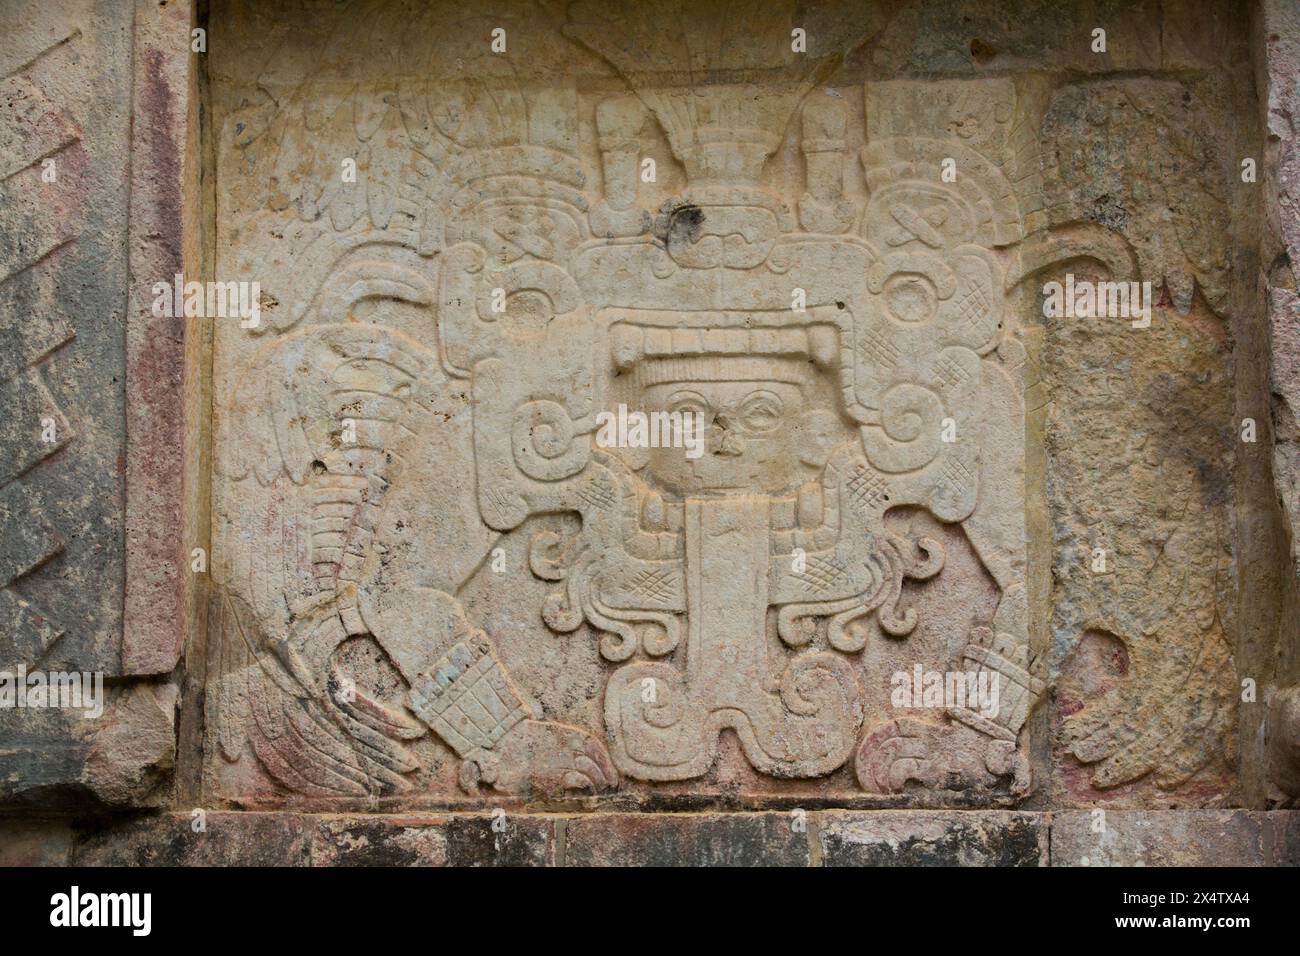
{"x": 59, "y": 487}
{"x": 76, "y": 728}
{"x": 61, "y": 355}
{"x": 435, "y": 578}
{"x": 1148, "y": 691}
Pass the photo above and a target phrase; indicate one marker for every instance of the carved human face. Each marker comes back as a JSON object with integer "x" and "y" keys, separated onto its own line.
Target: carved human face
{"x": 749, "y": 437}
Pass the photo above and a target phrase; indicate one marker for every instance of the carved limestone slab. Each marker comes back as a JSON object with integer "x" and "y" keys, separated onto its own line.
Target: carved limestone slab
{"x": 437, "y": 579}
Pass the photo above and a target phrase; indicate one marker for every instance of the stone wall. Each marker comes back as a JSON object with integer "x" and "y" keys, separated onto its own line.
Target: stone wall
{"x": 930, "y": 564}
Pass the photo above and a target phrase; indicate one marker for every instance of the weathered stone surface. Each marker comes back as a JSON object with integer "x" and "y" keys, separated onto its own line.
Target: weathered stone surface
{"x": 1277, "y": 75}
{"x": 1192, "y": 838}
{"x": 501, "y": 840}
{"x": 968, "y": 37}
{"x": 830, "y": 838}
{"x": 35, "y": 843}
{"x": 446, "y": 609}
{"x": 64, "y": 98}
{"x": 164, "y": 430}
{"x": 378, "y": 841}
{"x": 1147, "y": 688}
{"x": 928, "y": 838}
{"x": 94, "y": 162}
{"x": 725, "y": 839}
{"x": 132, "y": 755}
{"x": 287, "y": 839}
{"x": 460, "y": 840}
{"x": 186, "y": 839}
{"x": 1142, "y": 605}
{"x": 124, "y": 757}
{"x": 862, "y": 334}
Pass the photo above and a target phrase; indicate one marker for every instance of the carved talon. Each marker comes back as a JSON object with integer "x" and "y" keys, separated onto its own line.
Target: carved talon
{"x": 947, "y": 756}
{"x": 543, "y": 758}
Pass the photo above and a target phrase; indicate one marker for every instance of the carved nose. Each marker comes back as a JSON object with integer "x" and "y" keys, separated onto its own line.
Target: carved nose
{"x": 727, "y": 442}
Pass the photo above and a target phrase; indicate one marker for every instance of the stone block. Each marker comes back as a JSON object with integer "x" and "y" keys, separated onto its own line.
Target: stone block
{"x": 692, "y": 839}
{"x": 933, "y": 838}
{"x": 1155, "y": 838}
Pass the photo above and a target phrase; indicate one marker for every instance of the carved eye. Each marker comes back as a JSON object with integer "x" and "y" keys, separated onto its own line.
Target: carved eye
{"x": 689, "y": 403}
{"x": 761, "y": 411}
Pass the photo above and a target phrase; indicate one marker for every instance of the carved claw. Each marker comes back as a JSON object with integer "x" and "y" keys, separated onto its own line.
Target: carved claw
{"x": 544, "y": 758}
{"x": 936, "y": 756}
{"x": 479, "y": 768}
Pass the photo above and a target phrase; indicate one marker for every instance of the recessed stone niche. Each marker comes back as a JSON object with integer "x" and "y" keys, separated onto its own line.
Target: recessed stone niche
{"x": 910, "y": 538}
{"x": 435, "y": 584}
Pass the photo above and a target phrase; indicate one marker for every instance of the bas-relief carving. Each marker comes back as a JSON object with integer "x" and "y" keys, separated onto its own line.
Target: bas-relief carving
{"x": 389, "y": 430}
{"x": 36, "y": 330}
{"x": 1157, "y": 721}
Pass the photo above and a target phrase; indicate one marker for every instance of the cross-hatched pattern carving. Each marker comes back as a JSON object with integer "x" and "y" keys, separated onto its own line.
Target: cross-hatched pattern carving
{"x": 468, "y": 701}
{"x": 654, "y": 585}
{"x": 866, "y": 489}
{"x": 875, "y": 346}
{"x": 973, "y": 306}
{"x": 597, "y": 493}
{"x": 949, "y": 372}
{"x": 955, "y": 473}
{"x": 822, "y": 574}
{"x": 499, "y": 498}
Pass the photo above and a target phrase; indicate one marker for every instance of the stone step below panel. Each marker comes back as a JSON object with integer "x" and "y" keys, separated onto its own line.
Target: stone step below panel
{"x": 795, "y": 838}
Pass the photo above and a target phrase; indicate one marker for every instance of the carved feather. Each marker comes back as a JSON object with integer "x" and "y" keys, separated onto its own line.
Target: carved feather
{"x": 308, "y": 743}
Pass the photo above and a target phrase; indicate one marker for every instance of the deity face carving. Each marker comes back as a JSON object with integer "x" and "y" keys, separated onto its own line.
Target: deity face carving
{"x": 750, "y": 430}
